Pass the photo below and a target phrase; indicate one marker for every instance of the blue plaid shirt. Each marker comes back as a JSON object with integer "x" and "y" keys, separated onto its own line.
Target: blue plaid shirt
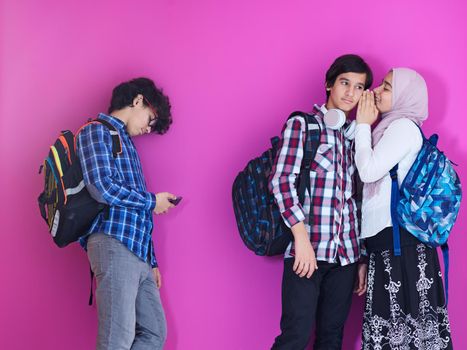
{"x": 118, "y": 182}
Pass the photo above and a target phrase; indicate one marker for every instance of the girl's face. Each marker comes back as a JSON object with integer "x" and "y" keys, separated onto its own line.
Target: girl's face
{"x": 383, "y": 94}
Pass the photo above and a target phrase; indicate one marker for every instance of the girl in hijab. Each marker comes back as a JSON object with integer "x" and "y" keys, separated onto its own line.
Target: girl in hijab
{"x": 405, "y": 305}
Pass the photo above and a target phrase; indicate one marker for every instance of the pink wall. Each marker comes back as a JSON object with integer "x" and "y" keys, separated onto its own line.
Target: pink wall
{"x": 233, "y": 70}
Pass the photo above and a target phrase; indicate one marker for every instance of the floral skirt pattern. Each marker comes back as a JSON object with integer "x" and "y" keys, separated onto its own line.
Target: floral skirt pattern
{"x": 405, "y": 305}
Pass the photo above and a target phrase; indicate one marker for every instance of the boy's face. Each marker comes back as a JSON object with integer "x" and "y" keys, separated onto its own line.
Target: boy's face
{"x": 142, "y": 117}
{"x": 346, "y": 91}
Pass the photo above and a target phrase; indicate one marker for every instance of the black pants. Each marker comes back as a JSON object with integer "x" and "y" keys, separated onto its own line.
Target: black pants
{"x": 326, "y": 297}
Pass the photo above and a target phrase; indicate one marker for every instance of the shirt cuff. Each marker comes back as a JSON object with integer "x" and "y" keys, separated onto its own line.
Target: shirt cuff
{"x": 154, "y": 263}
{"x": 293, "y": 215}
{"x": 363, "y": 127}
{"x": 151, "y": 201}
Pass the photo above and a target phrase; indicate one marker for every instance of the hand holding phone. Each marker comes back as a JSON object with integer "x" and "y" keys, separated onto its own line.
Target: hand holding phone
{"x": 176, "y": 200}
{"x": 164, "y": 202}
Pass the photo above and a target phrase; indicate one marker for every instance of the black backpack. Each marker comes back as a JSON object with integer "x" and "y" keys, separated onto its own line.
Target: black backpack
{"x": 65, "y": 204}
{"x": 258, "y": 217}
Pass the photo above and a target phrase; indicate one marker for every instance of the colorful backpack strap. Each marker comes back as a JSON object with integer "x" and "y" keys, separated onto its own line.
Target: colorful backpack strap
{"x": 68, "y": 138}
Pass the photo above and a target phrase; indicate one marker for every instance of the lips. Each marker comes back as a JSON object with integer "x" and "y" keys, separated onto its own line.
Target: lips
{"x": 347, "y": 101}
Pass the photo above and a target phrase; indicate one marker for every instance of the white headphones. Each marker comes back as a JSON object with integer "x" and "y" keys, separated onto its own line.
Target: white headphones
{"x": 335, "y": 119}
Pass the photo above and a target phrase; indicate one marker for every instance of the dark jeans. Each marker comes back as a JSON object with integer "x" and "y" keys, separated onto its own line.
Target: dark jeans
{"x": 326, "y": 297}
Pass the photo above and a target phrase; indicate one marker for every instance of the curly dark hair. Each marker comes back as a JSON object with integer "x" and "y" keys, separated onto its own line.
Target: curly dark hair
{"x": 124, "y": 94}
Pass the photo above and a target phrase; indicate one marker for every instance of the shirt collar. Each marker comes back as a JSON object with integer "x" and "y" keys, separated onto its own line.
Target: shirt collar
{"x": 323, "y": 108}
{"x": 112, "y": 120}
{"x": 321, "y": 111}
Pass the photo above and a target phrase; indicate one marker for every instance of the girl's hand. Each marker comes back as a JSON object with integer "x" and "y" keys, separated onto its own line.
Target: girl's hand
{"x": 366, "y": 111}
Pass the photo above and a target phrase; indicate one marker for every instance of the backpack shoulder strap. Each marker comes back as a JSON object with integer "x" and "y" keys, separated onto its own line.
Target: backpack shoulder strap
{"x": 116, "y": 142}
{"x": 433, "y": 139}
{"x": 445, "y": 250}
{"x": 396, "y": 236}
{"x": 313, "y": 133}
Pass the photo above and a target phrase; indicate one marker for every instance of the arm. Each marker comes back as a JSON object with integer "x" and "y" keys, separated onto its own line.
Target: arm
{"x": 157, "y": 277}
{"x": 374, "y": 164}
{"x": 99, "y": 169}
{"x": 284, "y": 173}
{"x": 362, "y": 279}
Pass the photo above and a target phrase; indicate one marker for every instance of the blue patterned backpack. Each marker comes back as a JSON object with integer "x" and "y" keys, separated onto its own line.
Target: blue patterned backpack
{"x": 428, "y": 200}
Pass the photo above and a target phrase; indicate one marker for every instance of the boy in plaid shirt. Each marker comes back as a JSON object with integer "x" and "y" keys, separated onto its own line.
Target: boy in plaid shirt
{"x": 119, "y": 243}
{"x": 322, "y": 263}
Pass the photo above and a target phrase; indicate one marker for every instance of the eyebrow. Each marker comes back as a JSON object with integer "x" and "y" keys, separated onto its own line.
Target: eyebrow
{"x": 387, "y": 83}
{"x": 345, "y": 79}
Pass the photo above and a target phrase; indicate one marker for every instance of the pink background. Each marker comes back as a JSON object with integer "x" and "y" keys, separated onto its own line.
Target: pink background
{"x": 233, "y": 71}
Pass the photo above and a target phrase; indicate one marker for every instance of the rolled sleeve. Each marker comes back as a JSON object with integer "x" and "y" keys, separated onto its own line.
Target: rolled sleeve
{"x": 286, "y": 168}
{"x": 293, "y": 215}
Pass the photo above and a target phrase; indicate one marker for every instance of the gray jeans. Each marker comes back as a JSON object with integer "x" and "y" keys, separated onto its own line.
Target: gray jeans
{"x": 128, "y": 302}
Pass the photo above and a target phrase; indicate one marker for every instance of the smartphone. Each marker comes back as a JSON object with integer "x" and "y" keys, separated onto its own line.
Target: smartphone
{"x": 176, "y": 200}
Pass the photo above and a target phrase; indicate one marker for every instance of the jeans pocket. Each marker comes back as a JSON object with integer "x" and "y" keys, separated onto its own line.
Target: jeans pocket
{"x": 97, "y": 253}
{"x": 93, "y": 241}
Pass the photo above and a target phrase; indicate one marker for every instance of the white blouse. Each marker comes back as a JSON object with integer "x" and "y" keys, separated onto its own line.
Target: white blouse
{"x": 400, "y": 143}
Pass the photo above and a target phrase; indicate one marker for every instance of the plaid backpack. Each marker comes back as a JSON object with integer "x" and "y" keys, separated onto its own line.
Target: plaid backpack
{"x": 65, "y": 204}
{"x": 428, "y": 200}
{"x": 257, "y": 214}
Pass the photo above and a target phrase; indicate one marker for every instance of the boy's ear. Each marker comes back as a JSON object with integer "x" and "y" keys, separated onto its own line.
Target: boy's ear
{"x": 137, "y": 99}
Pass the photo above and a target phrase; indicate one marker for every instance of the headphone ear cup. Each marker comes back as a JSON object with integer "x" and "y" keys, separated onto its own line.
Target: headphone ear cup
{"x": 334, "y": 118}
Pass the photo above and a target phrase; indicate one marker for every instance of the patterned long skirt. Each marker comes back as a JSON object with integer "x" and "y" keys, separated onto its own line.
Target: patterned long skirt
{"x": 405, "y": 305}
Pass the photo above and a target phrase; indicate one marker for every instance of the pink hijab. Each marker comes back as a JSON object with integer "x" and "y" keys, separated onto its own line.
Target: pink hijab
{"x": 409, "y": 100}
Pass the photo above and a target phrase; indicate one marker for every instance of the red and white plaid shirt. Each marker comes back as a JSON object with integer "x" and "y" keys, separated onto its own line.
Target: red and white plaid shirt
{"x": 333, "y": 225}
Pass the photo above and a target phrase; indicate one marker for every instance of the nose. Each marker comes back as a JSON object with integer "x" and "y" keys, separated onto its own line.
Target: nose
{"x": 350, "y": 91}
